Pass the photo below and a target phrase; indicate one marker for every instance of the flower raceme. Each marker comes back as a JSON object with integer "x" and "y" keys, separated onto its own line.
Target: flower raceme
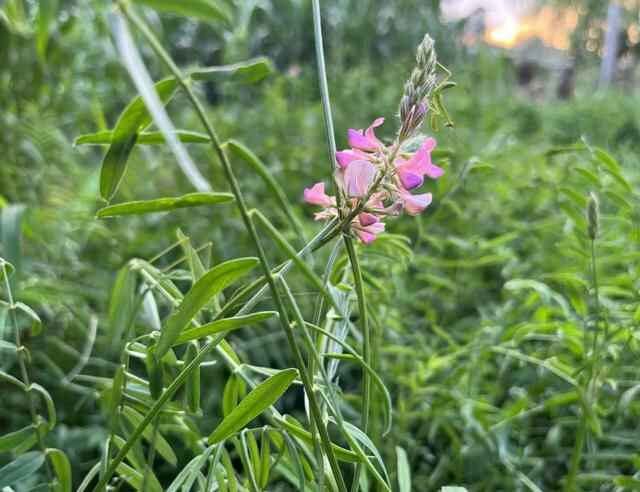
{"x": 374, "y": 182}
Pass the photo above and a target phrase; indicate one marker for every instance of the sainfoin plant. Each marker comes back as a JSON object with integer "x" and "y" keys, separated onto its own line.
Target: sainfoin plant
{"x": 157, "y": 385}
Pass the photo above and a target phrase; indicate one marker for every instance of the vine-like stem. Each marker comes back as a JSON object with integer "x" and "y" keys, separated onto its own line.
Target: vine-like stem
{"x": 244, "y": 212}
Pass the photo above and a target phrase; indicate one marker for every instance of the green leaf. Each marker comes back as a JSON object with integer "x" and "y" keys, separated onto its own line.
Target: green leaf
{"x": 49, "y": 404}
{"x": 296, "y": 430}
{"x": 234, "y": 389}
{"x": 132, "y": 120}
{"x": 136, "y": 479}
{"x": 260, "y": 398}
{"x": 195, "y": 263}
{"x": 21, "y": 468}
{"x": 353, "y": 355}
{"x": 207, "y": 10}
{"x": 192, "y": 385}
{"x": 613, "y": 168}
{"x": 115, "y": 395}
{"x": 247, "y": 72}
{"x": 162, "y": 446}
{"x": 36, "y": 322}
{"x": 627, "y": 482}
{"x": 62, "y": 469}
{"x": 265, "y": 458}
{"x": 46, "y": 14}
{"x": 105, "y": 137}
{"x": 222, "y": 325}
{"x": 189, "y": 474}
{"x": 7, "y": 267}
{"x": 211, "y": 284}
{"x": 121, "y": 306}
{"x": 164, "y": 204}
{"x": 14, "y": 439}
{"x": 404, "y": 470}
{"x": 453, "y": 489}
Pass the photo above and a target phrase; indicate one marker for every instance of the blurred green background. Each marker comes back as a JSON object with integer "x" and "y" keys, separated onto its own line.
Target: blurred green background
{"x": 494, "y": 286}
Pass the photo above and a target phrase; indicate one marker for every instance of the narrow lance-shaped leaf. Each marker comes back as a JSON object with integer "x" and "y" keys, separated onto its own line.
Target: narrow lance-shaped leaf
{"x": 192, "y": 385}
{"x": 404, "y": 470}
{"x": 265, "y": 458}
{"x": 13, "y": 439}
{"x": 132, "y": 120}
{"x": 62, "y": 469}
{"x": 21, "y": 468}
{"x": 105, "y": 137}
{"x": 46, "y": 15}
{"x": 139, "y": 207}
{"x": 206, "y": 10}
{"x": 247, "y": 72}
{"x": 223, "y": 325}
{"x": 211, "y": 284}
{"x": 162, "y": 446}
{"x": 259, "y": 399}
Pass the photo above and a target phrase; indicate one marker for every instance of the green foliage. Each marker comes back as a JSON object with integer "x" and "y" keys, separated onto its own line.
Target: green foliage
{"x": 505, "y": 363}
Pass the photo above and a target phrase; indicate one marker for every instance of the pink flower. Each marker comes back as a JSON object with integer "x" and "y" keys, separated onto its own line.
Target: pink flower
{"x": 316, "y": 196}
{"x": 412, "y": 172}
{"x": 358, "y": 177}
{"x": 415, "y": 204}
{"x": 367, "y": 227}
{"x": 346, "y": 157}
{"x": 366, "y": 140}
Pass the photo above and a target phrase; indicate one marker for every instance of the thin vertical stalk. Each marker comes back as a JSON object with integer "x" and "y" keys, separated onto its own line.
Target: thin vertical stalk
{"x": 589, "y": 391}
{"x": 22, "y": 364}
{"x": 366, "y": 345}
{"x": 324, "y": 89}
{"x": 244, "y": 212}
{"x": 353, "y": 256}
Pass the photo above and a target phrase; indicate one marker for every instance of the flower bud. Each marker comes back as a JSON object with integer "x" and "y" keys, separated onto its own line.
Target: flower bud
{"x": 418, "y": 88}
{"x": 593, "y": 216}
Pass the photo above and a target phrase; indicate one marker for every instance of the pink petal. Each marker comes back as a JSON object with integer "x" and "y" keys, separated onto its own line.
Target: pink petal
{"x": 358, "y": 178}
{"x": 428, "y": 145}
{"x": 367, "y": 219}
{"x": 358, "y": 141}
{"x": 366, "y": 237}
{"x": 410, "y": 178}
{"x": 415, "y": 204}
{"x": 316, "y": 196}
{"x": 370, "y": 133}
{"x": 376, "y": 228}
{"x": 346, "y": 157}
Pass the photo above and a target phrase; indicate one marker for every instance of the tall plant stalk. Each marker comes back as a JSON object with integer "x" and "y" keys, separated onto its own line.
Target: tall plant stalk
{"x": 351, "y": 250}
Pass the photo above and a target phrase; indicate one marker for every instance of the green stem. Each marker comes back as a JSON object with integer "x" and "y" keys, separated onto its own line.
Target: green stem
{"x": 24, "y": 372}
{"x": 576, "y": 456}
{"x": 244, "y": 212}
{"x": 324, "y": 92}
{"x": 366, "y": 345}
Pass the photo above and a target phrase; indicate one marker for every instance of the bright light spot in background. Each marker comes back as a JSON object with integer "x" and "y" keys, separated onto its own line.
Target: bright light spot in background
{"x": 508, "y": 23}
{"x": 505, "y": 34}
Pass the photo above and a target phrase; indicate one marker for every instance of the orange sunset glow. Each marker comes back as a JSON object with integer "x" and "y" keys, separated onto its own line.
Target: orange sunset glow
{"x": 551, "y": 25}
